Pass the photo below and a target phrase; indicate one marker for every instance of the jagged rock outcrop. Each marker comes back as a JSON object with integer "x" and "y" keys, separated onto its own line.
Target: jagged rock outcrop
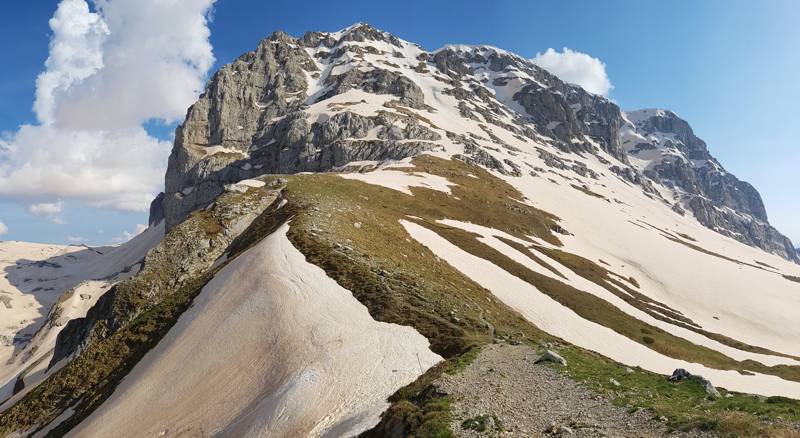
{"x": 563, "y": 112}
{"x": 277, "y": 110}
{"x": 569, "y": 113}
{"x": 678, "y": 159}
{"x": 251, "y": 120}
{"x": 681, "y": 374}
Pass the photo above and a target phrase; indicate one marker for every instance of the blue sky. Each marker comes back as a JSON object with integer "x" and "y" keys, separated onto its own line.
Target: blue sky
{"x": 729, "y": 67}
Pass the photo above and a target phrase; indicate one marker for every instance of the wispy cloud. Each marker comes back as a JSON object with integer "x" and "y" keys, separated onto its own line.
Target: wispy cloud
{"x": 576, "y": 68}
{"x": 75, "y": 240}
{"x": 3, "y": 228}
{"x": 50, "y": 210}
{"x": 111, "y": 68}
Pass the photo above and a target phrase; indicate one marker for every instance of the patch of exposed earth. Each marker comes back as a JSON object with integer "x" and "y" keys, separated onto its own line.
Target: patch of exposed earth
{"x": 505, "y": 393}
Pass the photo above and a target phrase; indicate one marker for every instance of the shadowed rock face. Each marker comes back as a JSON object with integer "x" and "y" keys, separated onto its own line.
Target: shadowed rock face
{"x": 571, "y": 113}
{"x": 254, "y": 118}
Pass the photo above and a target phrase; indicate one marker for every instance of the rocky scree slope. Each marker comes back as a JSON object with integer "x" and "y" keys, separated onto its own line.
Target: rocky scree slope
{"x": 270, "y": 112}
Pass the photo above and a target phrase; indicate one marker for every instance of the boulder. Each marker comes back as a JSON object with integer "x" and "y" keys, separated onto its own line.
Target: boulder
{"x": 681, "y": 374}
{"x": 551, "y": 356}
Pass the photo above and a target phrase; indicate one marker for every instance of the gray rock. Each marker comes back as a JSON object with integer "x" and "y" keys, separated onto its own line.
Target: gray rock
{"x": 710, "y": 389}
{"x": 250, "y": 121}
{"x": 681, "y": 374}
{"x": 678, "y": 375}
{"x": 551, "y": 356}
{"x": 565, "y": 430}
{"x": 475, "y": 154}
{"x": 156, "y": 210}
{"x": 567, "y": 112}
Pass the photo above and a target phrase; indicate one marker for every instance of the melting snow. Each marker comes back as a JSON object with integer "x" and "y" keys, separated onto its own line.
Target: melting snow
{"x": 554, "y": 318}
{"x": 271, "y": 347}
{"x": 401, "y": 181}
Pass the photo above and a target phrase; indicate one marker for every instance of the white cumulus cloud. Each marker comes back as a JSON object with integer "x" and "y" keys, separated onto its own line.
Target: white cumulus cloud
{"x": 120, "y": 169}
{"x": 154, "y": 61}
{"x": 3, "y": 229}
{"x": 50, "y": 210}
{"x": 576, "y": 68}
{"x": 76, "y": 53}
{"x": 113, "y": 65}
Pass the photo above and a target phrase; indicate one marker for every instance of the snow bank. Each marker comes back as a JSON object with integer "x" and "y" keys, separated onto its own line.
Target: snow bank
{"x": 556, "y": 319}
{"x": 746, "y": 303}
{"x": 271, "y": 347}
{"x": 489, "y": 237}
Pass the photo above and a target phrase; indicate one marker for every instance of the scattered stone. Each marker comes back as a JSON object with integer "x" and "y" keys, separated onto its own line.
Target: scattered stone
{"x": 710, "y": 389}
{"x": 531, "y": 400}
{"x": 678, "y": 375}
{"x": 614, "y": 382}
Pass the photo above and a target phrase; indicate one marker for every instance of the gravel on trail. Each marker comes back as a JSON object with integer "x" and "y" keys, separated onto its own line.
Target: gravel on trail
{"x": 504, "y": 393}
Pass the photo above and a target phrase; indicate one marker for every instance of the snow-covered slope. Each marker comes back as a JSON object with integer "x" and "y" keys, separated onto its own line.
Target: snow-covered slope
{"x": 271, "y": 347}
{"x": 44, "y": 286}
{"x": 620, "y": 183}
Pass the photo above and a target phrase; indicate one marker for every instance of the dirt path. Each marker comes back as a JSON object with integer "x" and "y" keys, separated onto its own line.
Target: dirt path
{"x": 503, "y": 393}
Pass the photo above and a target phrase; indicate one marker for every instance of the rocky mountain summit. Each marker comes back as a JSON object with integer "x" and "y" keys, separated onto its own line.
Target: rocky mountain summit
{"x": 360, "y": 237}
{"x": 266, "y": 113}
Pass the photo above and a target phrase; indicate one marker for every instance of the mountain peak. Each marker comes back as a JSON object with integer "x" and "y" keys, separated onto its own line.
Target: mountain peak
{"x": 476, "y": 48}
{"x": 319, "y": 102}
{"x": 362, "y": 31}
{"x": 641, "y": 115}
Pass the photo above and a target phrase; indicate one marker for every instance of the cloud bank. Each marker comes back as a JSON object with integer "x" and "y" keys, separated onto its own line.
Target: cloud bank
{"x": 110, "y": 69}
{"x": 576, "y": 68}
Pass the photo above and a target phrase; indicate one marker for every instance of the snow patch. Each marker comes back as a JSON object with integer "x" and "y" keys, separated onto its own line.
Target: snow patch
{"x": 402, "y": 181}
{"x": 560, "y": 321}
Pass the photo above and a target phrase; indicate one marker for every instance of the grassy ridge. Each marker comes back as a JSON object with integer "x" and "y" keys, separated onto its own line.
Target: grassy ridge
{"x": 351, "y": 230}
{"x": 142, "y": 310}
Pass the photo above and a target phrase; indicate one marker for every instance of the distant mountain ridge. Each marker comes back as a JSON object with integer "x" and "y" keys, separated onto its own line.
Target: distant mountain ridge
{"x": 253, "y": 119}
